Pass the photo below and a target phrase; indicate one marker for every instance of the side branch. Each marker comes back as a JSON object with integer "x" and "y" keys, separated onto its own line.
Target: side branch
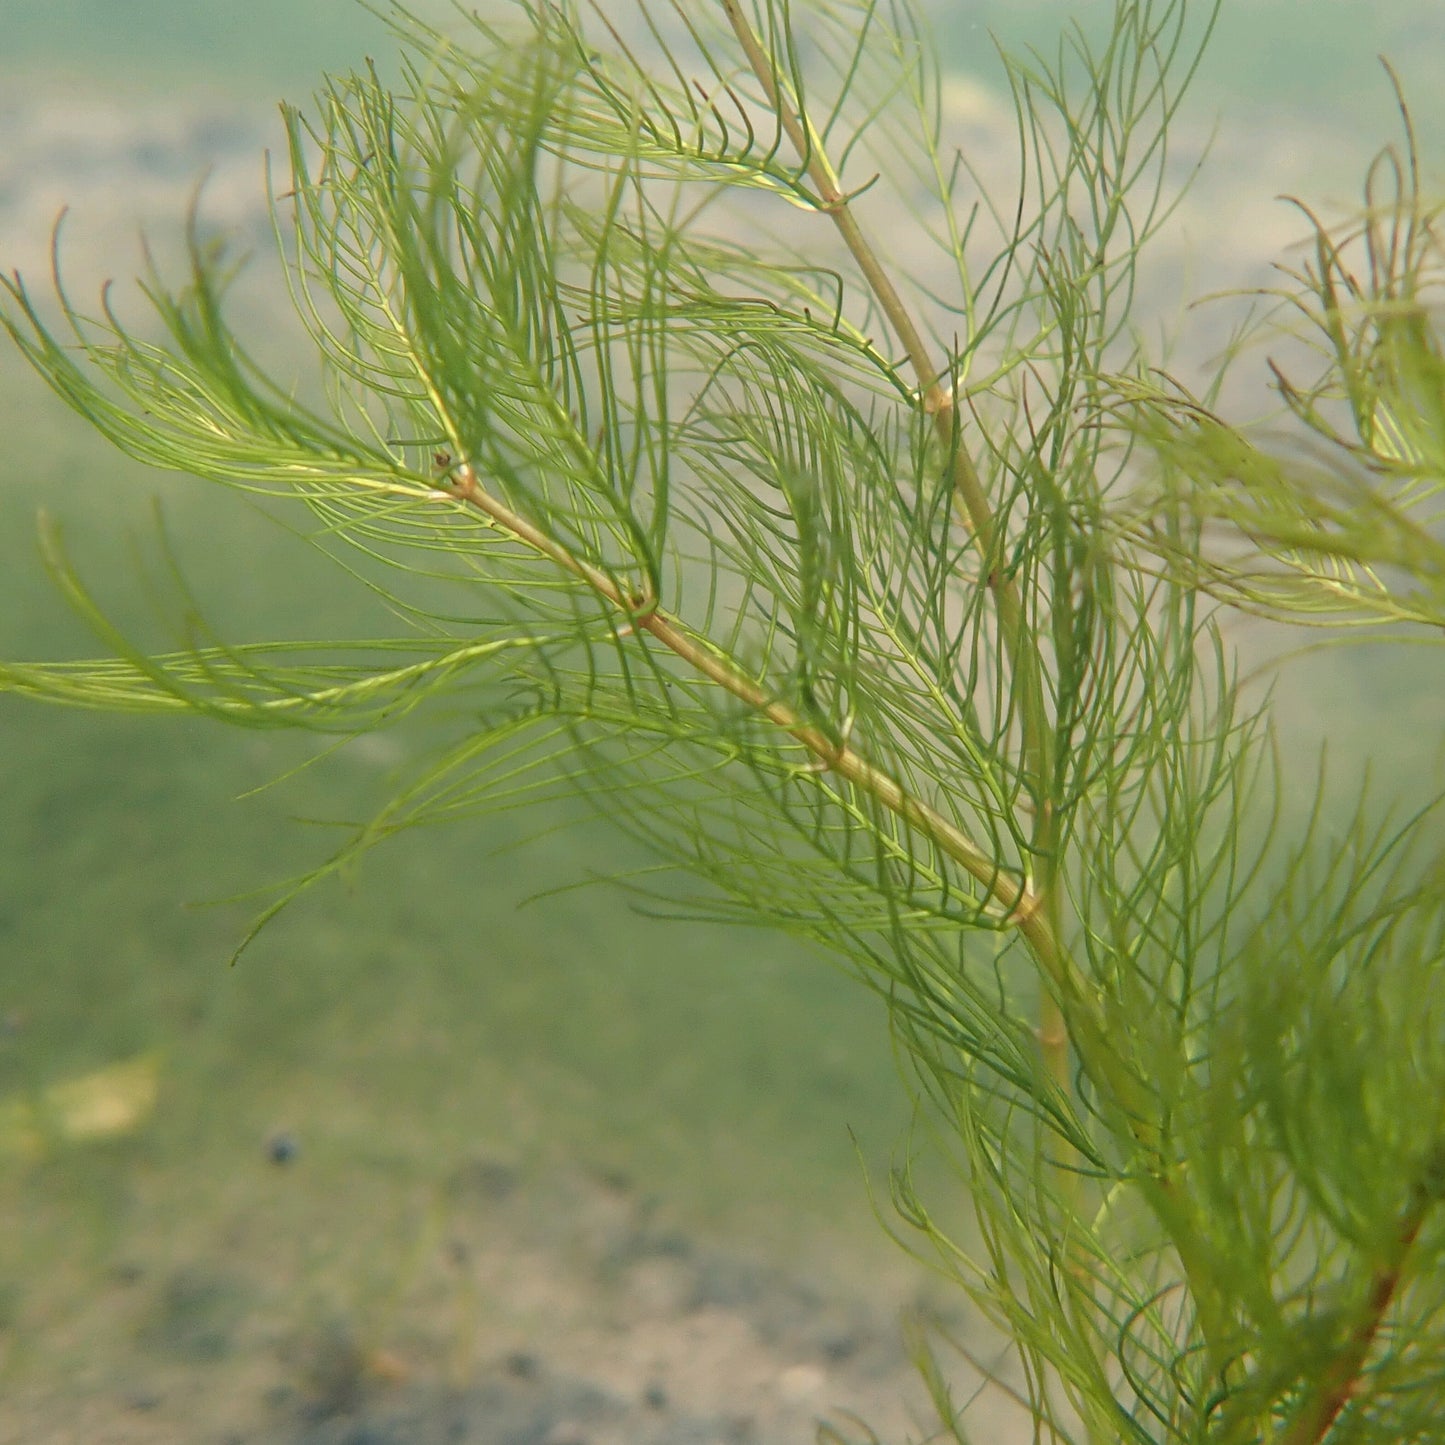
{"x": 1015, "y": 896}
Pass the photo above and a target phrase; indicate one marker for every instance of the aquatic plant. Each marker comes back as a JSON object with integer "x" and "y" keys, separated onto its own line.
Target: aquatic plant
{"x": 859, "y": 566}
{"x": 1343, "y": 526}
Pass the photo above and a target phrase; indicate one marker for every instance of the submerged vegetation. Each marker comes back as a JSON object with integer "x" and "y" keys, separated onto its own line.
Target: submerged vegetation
{"x": 868, "y": 573}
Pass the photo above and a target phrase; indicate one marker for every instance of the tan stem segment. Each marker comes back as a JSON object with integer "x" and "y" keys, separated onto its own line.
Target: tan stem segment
{"x": 1012, "y": 894}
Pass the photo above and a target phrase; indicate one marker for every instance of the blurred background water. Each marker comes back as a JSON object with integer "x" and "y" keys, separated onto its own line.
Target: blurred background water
{"x": 414, "y": 1022}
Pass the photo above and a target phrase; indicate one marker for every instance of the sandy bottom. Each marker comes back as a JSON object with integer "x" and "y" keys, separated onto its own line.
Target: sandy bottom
{"x": 551, "y": 1313}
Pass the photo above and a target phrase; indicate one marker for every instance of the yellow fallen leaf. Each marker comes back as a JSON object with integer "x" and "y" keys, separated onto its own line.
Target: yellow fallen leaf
{"x": 110, "y": 1101}
{"x": 100, "y": 1105}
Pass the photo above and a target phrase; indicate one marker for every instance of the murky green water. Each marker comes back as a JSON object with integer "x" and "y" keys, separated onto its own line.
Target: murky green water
{"x": 415, "y": 1017}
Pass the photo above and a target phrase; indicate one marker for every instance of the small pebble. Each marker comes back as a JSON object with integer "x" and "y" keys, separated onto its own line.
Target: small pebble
{"x": 483, "y": 1179}
{"x": 282, "y": 1148}
{"x": 522, "y": 1366}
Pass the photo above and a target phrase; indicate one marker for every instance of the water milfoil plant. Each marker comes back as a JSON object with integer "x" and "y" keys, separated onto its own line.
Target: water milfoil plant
{"x": 1336, "y": 521}
{"x": 804, "y": 538}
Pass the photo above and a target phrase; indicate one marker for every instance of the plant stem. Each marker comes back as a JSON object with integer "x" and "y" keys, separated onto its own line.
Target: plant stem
{"x": 939, "y": 402}
{"x": 1343, "y": 1379}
